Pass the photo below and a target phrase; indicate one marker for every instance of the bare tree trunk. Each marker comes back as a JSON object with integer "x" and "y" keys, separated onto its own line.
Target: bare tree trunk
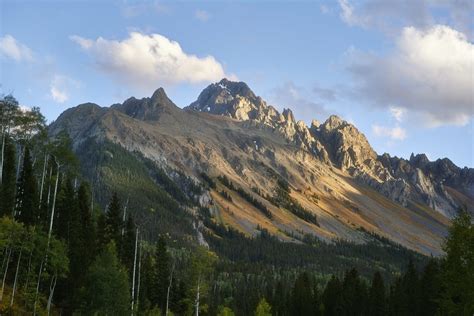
{"x": 42, "y": 179}
{"x": 28, "y": 272}
{"x": 139, "y": 273}
{"x": 54, "y": 204}
{"x": 3, "y": 153}
{"x": 134, "y": 269}
{"x": 169, "y": 289}
{"x": 49, "y": 185}
{"x": 16, "y": 278}
{"x": 5, "y": 274}
{"x": 51, "y": 293}
{"x": 124, "y": 216}
{"x": 197, "y": 296}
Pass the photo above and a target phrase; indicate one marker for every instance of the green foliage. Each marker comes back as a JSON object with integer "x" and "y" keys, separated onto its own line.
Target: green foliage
{"x": 27, "y": 193}
{"x": 225, "y": 311}
{"x": 106, "y": 290}
{"x": 377, "y": 296}
{"x": 7, "y": 186}
{"x": 210, "y": 182}
{"x": 458, "y": 268}
{"x": 263, "y": 308}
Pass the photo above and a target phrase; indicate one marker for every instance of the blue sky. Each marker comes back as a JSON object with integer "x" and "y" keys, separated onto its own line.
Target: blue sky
{"x": 401, "y": 71}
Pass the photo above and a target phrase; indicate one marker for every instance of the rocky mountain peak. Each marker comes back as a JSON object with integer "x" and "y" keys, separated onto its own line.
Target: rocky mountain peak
{"x": 147, "y": 109}
{"x": 333, "y": 122}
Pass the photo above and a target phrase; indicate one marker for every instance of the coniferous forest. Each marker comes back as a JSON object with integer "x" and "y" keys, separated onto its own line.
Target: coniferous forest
{"x": 72, "y": 246}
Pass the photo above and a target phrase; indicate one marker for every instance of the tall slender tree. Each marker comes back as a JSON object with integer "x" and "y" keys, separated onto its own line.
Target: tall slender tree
{"x": 7, "y": 188}
{"x": 377, "y": 299}
{"x": 27, "y": 193}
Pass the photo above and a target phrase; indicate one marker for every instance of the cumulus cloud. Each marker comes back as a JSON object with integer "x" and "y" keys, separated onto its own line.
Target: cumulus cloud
{"x": 397, "y": 113}
{"x": 146, "y": 61}
{"x": 202, "y": 15}
{"x": 429, "y": 73}
{"x": 13, "y": 49}
{"x": 60, "y": 86}
{"x": 394, "y": 133}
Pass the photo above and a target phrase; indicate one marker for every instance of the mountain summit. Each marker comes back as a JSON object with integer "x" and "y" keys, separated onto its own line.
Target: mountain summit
{"x": 288, "y": 178}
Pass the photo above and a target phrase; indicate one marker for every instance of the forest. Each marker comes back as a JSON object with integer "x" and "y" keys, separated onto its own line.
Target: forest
{"x": 70, "y": 246}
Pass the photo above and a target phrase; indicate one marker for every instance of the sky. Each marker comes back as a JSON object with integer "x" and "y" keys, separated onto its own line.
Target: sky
{"x": 402, "y": 71}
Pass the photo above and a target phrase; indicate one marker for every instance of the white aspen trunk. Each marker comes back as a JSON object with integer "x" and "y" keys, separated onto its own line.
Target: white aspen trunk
{"x": 5, "y": 275}
{"x": 16, "y": 278}
{"x": 124, "y": 216}
{"x": 52, "y": 286}
{"x": 38, "y": 286}
{"x": 49, "y": 185}
{"x": 197, "y": 295}
{"x": 134, "y": 269}
{"x": 42, "y": 179}
{"x": 139, "y": 273}
{"x": 169, "y": 290}
{"x": 20, "y": 151}
{"x": 3, "y": 154}
{"x": 54, "y": 204}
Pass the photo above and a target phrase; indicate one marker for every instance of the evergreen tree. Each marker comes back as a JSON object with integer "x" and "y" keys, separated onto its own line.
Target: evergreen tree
{"x": 113, "y": 222}
{"x": 332, "y": 297}
{"x": 7, "y": 188}
{"x": 458, "y": 268}
{"x": 354, "y": 293}
{"x": 410, "y": 291}
{"x": 66, "y": 209}
{"x": 377, "y": 300}
{"x": 127, "y": 250}
{"x": 263, "y": 308}
{"x": 302, "y": 296}
{"x": 27, "y": 197}
{"x": 161, "y": 275}
{"x": 106, "y": 291}
{"x": 87, "y": 232}
{"x": 430, "y": 287}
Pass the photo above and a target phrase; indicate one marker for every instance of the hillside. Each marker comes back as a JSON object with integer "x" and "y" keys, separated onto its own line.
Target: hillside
{"x": 254, "y": 168}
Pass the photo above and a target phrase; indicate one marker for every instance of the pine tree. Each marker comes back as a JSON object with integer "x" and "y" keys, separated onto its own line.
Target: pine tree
{"x": 377, "y": 300}
{"x": 66, "y": 208}
{"x": 113, "y": 222}
{"x": 332, "y": 297}
{"x": 161, "y": 275}
{"x": 87, "y": 232}
{"x": 458, "y": 268}
{"x": 410, "y": 290}
{"x": 430, "y": 288}
{"x": 106, "y": 290}
{"x": 354, "y": 293}
{"x": 302, "y": 296}
{"x": 27, "y": 193}
{"x": 7, "y": 188}
{"x": 128, "y": 245}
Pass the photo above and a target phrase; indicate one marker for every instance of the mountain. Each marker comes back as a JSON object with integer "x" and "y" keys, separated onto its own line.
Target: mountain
{"x": 252, "y": 168}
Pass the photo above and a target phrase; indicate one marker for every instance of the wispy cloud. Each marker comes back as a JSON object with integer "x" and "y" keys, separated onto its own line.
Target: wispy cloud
{"x": 60, "y": 87}
{"x": 202, "y": 15}
{"x": 13, "y": 49}
{"x": 131, "y": 9}
{"x": 394, "y": 133}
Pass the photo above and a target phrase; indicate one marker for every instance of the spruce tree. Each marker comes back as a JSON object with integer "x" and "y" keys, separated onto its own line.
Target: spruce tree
{"x": 7, "y": 189}
{"x": 332, "y": 297}
{"x": 377, "y": 300}
{"x": 127, "y": 249}
{"x": 27, "y": 193}
{"x": 161, "y": 274}
{"x": 113, "y": 222}
{"x": 302, "y": 296}
{"x": 430, "y": 289}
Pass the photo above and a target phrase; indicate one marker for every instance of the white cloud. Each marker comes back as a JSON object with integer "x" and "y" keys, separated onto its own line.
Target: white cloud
{"x": 202, "y": 15}
{"x": 146, "y": 61}
{"x": 394, "y": 133}
{"x": 391, "y": 15}
{"x": 60, "y": 87}
{"x": 11, "y": 48}
{"x": 429, "y": 74}
{"x": 397, "y": 113}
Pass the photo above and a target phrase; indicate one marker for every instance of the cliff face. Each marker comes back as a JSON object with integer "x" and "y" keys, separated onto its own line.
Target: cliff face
{"x": 332, "y": 170}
